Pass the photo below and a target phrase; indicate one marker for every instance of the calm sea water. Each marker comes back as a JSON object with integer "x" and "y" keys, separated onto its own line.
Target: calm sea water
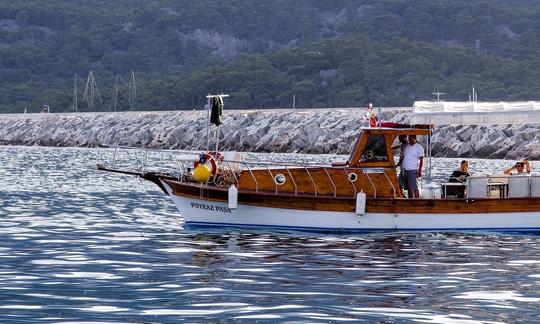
{"x": 81, "y": 246}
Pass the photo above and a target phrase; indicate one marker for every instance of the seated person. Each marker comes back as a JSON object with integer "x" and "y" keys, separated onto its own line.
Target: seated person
{"x": 460, "y": 174}
{"x": 520, "y": 168}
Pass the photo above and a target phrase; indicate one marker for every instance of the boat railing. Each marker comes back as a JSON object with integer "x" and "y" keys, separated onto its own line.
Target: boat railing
{"x": 272, "y": 177}
{"x": 331, "y": 181}
{"x": 292, "y": 179}
{"x": 312, "y": 181}
{"x": 492, "y": 186}
{"x": 184, "y": 166}
{"x": 234, "y": 175}
{"x": 372, "y": 185}
{"x": 391, "y": 184}
{"x": 252, "y": 175}
{"x": 309, "y": 169}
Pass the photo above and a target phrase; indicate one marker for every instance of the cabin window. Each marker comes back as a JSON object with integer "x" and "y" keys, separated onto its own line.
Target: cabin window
{"x": 375, "y": 149}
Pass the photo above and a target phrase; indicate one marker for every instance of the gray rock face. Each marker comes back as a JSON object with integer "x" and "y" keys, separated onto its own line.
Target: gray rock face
{"x": 317, "y": 131}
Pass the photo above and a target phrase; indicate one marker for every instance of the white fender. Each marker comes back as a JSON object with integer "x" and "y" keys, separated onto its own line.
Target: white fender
{"x": 360, "y": 203}
{"x": 233, "y": 197}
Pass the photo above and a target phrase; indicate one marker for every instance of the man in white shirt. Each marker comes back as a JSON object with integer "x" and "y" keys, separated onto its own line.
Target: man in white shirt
{"x": 412, "y": 162}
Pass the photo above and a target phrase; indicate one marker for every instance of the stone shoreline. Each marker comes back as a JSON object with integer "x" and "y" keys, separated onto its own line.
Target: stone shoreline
{"x": 315, "y": 131}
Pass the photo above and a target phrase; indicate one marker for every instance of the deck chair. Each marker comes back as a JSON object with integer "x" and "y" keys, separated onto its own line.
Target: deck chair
{"x": 518, "y": 186}
{"x": 477, "y": 187}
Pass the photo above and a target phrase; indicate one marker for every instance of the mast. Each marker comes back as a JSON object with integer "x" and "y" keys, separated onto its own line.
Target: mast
{"x": 438, "y": 94}
{"x": 75, "y": 91}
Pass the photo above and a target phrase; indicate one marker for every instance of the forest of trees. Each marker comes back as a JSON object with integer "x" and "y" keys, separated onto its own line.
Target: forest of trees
{"x": 326, "y": 53}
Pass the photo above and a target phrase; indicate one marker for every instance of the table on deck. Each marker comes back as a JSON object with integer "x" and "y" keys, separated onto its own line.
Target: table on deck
{"x": 503, "y": 188}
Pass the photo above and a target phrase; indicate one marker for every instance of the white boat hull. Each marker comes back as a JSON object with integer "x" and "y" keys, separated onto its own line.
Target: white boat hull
{"x": 209, "y": 213}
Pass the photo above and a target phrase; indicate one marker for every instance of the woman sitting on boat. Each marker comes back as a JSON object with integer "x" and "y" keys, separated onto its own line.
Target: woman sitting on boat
{"x": 521, "y": 168}
{"x": 460, "y": 174}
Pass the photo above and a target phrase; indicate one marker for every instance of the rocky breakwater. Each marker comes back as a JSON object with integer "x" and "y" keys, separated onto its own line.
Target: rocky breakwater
{"x": 494, "y": 141}
{"x": 302, "y": 131}
{"x": 313, "y": 131}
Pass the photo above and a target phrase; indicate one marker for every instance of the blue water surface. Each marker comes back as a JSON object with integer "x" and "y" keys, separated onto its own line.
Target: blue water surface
{"x": 82, "y": 246}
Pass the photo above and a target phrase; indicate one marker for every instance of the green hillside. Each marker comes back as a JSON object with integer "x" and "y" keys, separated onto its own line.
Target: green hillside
{"x": 326, "y": 53}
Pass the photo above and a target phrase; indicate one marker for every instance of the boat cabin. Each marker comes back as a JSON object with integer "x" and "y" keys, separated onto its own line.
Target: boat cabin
{"x": 373, "y": 147}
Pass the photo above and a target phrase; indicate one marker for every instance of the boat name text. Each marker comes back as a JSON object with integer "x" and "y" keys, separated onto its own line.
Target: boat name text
{"x": 211, "y": 207}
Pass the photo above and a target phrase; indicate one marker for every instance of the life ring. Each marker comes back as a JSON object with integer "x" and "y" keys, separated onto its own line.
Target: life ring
{"x": 206, "y": 159}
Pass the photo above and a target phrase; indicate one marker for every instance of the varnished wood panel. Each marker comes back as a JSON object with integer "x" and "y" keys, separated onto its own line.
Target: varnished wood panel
{"x": 317, "y": 181}
{"x": 359, "y": 146}
{"x": 389, "y": 140}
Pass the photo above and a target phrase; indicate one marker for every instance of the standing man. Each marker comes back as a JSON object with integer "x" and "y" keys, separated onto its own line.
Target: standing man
{"x": 412, "y": 162}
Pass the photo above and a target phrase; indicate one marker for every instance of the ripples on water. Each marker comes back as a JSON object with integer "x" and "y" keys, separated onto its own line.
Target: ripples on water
{"x": 80, "y": 246}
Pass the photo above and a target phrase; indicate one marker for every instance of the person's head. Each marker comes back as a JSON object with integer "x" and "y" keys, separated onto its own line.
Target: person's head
{"x": 520, "y": 166}
{"x": 464, "y": 165}
{"x": 412, "y": 139}
{"x": 402, "y": 139}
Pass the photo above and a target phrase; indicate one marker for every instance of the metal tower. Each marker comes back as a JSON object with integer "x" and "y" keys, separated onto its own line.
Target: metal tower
{"x": 91, "y": 93}
{"x": 128, "y": 90}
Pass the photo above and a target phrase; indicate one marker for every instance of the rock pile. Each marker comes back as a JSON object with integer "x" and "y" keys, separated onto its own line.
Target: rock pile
{"x": 318, "y": 131}
{"x": 296, "y": 131}
{"x": 497, "y": 142}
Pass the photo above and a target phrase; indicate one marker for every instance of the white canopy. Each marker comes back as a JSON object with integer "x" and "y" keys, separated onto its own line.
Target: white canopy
{"x": 475, "y": 113}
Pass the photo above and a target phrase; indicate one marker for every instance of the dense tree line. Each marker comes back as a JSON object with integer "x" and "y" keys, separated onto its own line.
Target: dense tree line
{"x": 326, "y": 53}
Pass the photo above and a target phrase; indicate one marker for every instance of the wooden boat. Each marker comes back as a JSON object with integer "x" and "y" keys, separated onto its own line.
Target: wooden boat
{"x": 360, "y": 194}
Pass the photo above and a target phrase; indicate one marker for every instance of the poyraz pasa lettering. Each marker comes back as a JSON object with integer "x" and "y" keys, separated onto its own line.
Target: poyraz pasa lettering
{"x": 211, "y": 207}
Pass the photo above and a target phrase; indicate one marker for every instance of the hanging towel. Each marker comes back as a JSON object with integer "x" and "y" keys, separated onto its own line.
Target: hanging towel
{"x": 217, "y": 110}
